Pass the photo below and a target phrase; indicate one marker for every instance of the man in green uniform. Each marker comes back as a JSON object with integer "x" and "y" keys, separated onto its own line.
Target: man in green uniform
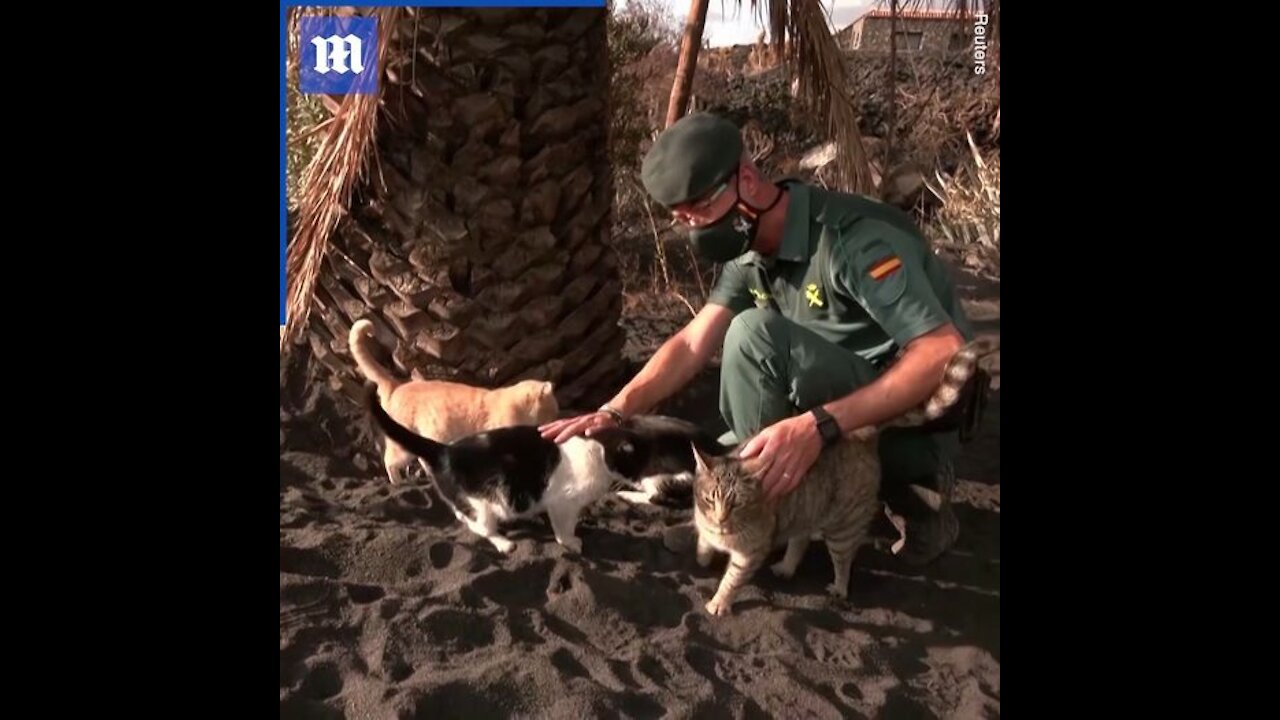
{"x": 833, "y": 315}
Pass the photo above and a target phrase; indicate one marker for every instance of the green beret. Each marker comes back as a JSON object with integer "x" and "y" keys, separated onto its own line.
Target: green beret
{"x": 690, "y": 158}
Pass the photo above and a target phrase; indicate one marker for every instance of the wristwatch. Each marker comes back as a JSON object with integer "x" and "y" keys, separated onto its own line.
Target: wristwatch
{"x": 828, "y": 428}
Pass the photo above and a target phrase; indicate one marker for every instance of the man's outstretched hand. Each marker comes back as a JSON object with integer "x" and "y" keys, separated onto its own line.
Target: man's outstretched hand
{"x": 565, "y": 428}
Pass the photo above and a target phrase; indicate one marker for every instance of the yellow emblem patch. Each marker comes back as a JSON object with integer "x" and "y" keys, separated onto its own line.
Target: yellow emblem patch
{"x": 762, "y": 297}
{"x": 813, "y": 294}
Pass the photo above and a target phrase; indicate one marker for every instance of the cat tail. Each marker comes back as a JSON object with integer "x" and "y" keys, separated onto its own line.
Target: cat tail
{"x": 955, "y": 390}
{"x": 426, "y": 448}
{"x": 357, "y": 340}
{"x": 674, "y": 491}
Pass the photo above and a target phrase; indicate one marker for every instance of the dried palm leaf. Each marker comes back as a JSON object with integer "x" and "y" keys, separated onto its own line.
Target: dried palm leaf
{"x": 326, "y": 187}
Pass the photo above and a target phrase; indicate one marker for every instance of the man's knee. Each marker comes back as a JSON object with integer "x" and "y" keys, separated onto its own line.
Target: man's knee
{"x": 754, "y": 332}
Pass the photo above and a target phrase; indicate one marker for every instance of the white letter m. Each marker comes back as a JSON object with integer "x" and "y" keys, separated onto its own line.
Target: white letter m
{"x": 336, "y": 50}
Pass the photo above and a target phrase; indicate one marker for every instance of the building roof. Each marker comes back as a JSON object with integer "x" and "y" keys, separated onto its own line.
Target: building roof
{"x": 910, "y": 14}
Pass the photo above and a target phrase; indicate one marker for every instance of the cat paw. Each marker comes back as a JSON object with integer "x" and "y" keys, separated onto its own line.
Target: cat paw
{"x": 718, "y": 607}
{"x": 503, "y": 545}
{"x": 782, "y": 570}
{"x": 573, "y": 545}
{"x": 837, "y": 591}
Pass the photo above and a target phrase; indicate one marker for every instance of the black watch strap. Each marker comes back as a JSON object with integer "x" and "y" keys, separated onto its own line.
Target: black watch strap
{"x": 828, "y": 428}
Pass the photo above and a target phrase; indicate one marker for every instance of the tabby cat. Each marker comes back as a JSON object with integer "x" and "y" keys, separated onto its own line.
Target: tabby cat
{"x": 837, "y": 499}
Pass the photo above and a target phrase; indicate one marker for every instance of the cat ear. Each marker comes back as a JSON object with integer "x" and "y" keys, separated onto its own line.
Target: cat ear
{"x": 700, "y": 459}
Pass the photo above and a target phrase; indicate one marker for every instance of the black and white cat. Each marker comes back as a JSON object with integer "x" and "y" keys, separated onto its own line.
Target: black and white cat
{"x": 654, "y": 453}
{"x": 513, "y": 472}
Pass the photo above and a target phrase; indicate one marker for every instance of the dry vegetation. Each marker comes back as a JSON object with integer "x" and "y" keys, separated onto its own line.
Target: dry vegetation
{"x": 305, "y": 115}
{"x": 969, "y": 217}
{"x": 305, "y": 119}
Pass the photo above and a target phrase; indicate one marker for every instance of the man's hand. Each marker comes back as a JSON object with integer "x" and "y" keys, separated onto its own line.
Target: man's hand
{"x": 675, "y": 363}
{"x": 565, "y": 428}
{"x": 788, "y": 448}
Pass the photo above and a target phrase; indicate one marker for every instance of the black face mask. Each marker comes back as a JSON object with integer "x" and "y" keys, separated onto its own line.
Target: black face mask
{"x": 731, "y": 235}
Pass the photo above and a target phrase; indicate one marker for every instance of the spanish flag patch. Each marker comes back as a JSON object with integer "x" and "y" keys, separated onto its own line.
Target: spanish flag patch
{"x": 883, "y": 267}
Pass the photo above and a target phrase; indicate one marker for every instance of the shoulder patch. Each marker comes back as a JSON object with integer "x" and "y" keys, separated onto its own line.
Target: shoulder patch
{"x": 881, "y": 268}
{"x": 883, "y": 277}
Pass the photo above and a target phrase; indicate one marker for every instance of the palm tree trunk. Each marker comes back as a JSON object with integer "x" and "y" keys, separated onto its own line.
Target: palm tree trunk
{"x": 480, "y": 248}
{"x": 688, "y": 60}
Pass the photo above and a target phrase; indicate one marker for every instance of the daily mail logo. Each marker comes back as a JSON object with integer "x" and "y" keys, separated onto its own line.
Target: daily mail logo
{"x": 339, "y": 55}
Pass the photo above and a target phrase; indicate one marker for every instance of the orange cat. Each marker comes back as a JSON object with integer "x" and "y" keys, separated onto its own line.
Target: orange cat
{"x": 446, "y": 411}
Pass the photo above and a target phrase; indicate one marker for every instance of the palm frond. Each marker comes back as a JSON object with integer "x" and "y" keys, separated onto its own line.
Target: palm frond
{"x": 778, "y": 27}
{"x": 816, "y": 62}
{"x": 326, "y": 187}
{"x": 292, "y": 55}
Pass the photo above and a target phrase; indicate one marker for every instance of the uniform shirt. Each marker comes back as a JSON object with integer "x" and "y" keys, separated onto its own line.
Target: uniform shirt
{"x": 854, "y": 270}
